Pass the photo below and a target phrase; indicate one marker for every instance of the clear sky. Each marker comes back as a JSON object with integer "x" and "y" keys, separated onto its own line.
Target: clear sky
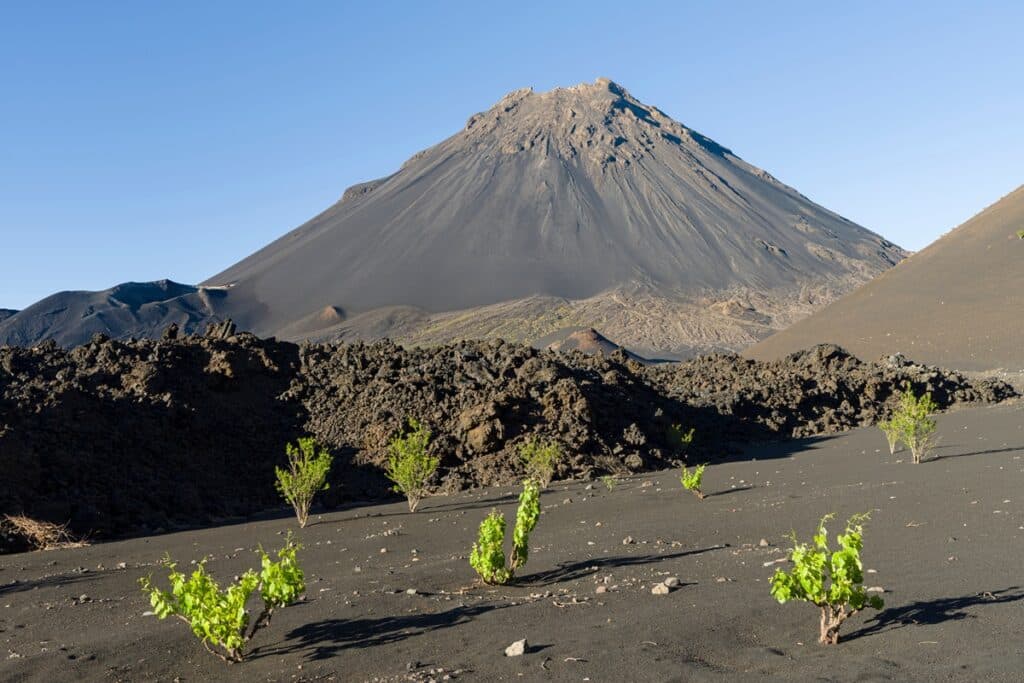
{"x": 148, "y": 140}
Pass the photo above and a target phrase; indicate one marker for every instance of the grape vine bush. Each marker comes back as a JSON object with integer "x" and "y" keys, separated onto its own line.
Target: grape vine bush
{"x": 691, "y": 480}
{"x": 488, "y": 555}
{"x": 831, "y": 579}
{"x": 308, "y": 465}
{"x": 540, "y": 460}
{"x": 912, "y": 424}
{"x": 220, "y": 617}
{"x": 676, "y": 436}
{"x": 410, "y": 464}
{"x": 891, "y": 429}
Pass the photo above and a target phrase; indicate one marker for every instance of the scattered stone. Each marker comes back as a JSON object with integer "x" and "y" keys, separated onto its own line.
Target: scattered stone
{"x": 660, "y": 589}
{"x": 601, "y": 589}
{"x": 671, "y": 582}
{"x": 628, "y": 540}
{"x": 516, "y": 649}
{"x": 763, "y": 543}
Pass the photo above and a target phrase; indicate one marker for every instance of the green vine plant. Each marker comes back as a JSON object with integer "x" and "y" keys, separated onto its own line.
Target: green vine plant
{"x": 833, "y": 580}
{"x": 913, "y": 424}
{"x": 220, "y": 617}
{"x": 891, "y": 429}
{"x": 691, "y": 480}
{"x": 540, "y": 460}
{"x": 488, "y": 554}
{"x": 308, "y": 465}
{"x": 680, "y": 438}
{"x": 410, "y": 464}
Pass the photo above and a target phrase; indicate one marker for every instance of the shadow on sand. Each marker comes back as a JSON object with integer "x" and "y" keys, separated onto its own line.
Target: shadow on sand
{"x": 932, "y": 612}
{"x": 568, "y": 571}
{"x": 726, "y": 492}
{"x": 59, "y": 581}
{"x": 325, "y": 639}
{"x": 992, "y": 451}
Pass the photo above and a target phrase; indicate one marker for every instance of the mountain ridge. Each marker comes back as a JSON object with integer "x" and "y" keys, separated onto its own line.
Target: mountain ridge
{"x": 530, "y": 199}
{"x": 574, "y": 207}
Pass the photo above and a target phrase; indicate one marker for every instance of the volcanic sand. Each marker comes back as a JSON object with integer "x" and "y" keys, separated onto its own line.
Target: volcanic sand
{"x": 957, "y": 303}
{"x": 944, "y": 541}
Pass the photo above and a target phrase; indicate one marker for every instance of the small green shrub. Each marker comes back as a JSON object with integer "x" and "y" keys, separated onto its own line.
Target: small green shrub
{"x": 220, "y": 617}
{"x": 488, "y": 554}
{"x": 308, "y": 465}
{"x": 691, "y": 481}
{"x": 680, "y": 438}
{"x": 1020, "y": 234}
{"x": 410, "y": 465}
{"x": 540, "y": 460}
{"x": 831, "y": 579}
{"x": 914, "y": 424}
{"x": 609, "y": 482}
{"x": 891, "y": 429}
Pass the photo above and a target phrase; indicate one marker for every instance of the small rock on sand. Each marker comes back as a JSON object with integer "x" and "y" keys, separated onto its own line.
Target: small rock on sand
{"x": 516, "y": 649}
{"x": 660, "y": 589}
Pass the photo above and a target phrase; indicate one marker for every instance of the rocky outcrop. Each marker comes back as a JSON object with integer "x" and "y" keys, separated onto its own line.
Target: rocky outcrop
{"x": 118, "y": 437}
{"x": 821, "y": 390}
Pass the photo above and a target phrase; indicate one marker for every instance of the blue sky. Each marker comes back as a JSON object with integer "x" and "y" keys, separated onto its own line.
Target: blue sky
{"x": 149, "y": 140}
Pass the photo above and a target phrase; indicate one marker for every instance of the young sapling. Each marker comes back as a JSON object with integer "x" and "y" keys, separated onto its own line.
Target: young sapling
{"x": 308, "y": 465}
{"x": 410, "y": 464}
{"x": 680, "y": 438}
{"x": 891, "y": 429}
{"x": 913, "y": 423}
{"x": 488, "y": 554}
{"x": 691, "y": 480}
{"x": 220, "y": 617}
{"x": 833, "y": 580}
{"x": 540, "y": 460}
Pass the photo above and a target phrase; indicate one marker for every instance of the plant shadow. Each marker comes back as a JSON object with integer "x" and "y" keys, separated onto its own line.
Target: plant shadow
{"x": 58, "y": 581}
{"x": 726, "y": 492}
{"x": 327, "y": 638}
{"x": 991, "y": 451}
{"x": 568, "y": 571}
{"x": 932, "y": 612}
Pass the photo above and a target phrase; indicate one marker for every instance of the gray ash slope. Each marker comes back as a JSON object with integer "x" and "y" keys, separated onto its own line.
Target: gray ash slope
{"x": 573, "y": 194}
{"x": 575, "y": 208}
{"x": 132, "y": 309}
{"x": 957, "y": 303}
{"x": 209, "y": 417}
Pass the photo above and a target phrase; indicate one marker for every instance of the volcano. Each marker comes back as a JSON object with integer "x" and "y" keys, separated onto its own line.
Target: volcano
{"x": 580, "y": 207}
